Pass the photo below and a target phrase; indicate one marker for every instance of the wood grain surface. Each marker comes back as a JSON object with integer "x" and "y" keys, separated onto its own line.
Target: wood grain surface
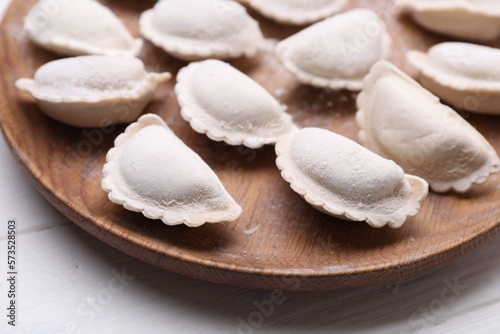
{"x": 280, "y": 241}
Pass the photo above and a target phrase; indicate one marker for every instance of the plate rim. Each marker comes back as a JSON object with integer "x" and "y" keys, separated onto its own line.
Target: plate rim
{"x": 274, "y": 278}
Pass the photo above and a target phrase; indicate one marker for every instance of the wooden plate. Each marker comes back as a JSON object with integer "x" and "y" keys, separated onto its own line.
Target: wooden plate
{"x": 280, "y": 241}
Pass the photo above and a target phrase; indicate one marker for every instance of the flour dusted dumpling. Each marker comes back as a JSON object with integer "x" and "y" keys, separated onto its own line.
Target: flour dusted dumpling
{"x": 338, "y": 52}
{"x": 468, "y": 19}
{"x": 462, "y": 74}
{"x": 297, "y": 12}
{"x": 227, "y": 105}
{"x": 83, "y": 27}
{"x": 93, "y": 91}
{"x": 343, "y": 179}
{"x": 202, "y": 29}
{"x": 402, "y": 121}
{"x": 150, "y": 170}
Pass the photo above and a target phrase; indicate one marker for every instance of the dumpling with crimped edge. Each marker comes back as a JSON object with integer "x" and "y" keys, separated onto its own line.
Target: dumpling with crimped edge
{"x": 227, "y": 105}
{"x": 150, "y": 170}
{"x": 336, "y": 53}
{"x": 83, "y": 27}
{"x": 464, "y": 75}
{"x": 201, "y": 29}
{"x": 93, "y": 91}
{"x": 343, "y": 179}
{"x": 297, "y": 12}
{"x": 402, "y": 121}
{"x": 468, "y": 19}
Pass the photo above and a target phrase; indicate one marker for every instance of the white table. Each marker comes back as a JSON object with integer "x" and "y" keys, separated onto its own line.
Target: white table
{"x": 67, "y": 284}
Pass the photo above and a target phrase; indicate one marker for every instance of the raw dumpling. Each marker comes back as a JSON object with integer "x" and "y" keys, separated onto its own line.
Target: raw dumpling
{"x": 152, "y": 171}
{"x": 93, "y": 91}
{"x": 338, "y": 52}
{"x": 298, "y": 12}
{"x": 226, "y": 105}
{"x": 469, "y": 19}
{"x": 345, "y": 180}
{"x": 464, "y": 75}
{"x": 83, "y": 27}
{"x": 202, "y": 29}
{"x": 402, "y": 121}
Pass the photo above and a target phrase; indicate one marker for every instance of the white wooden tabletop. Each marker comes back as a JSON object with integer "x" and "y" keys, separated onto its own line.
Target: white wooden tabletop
{"x": 69, "y": 282}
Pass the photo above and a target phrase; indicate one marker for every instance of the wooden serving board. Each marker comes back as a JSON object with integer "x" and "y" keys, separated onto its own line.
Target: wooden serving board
{"x": 280, "y": 241}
